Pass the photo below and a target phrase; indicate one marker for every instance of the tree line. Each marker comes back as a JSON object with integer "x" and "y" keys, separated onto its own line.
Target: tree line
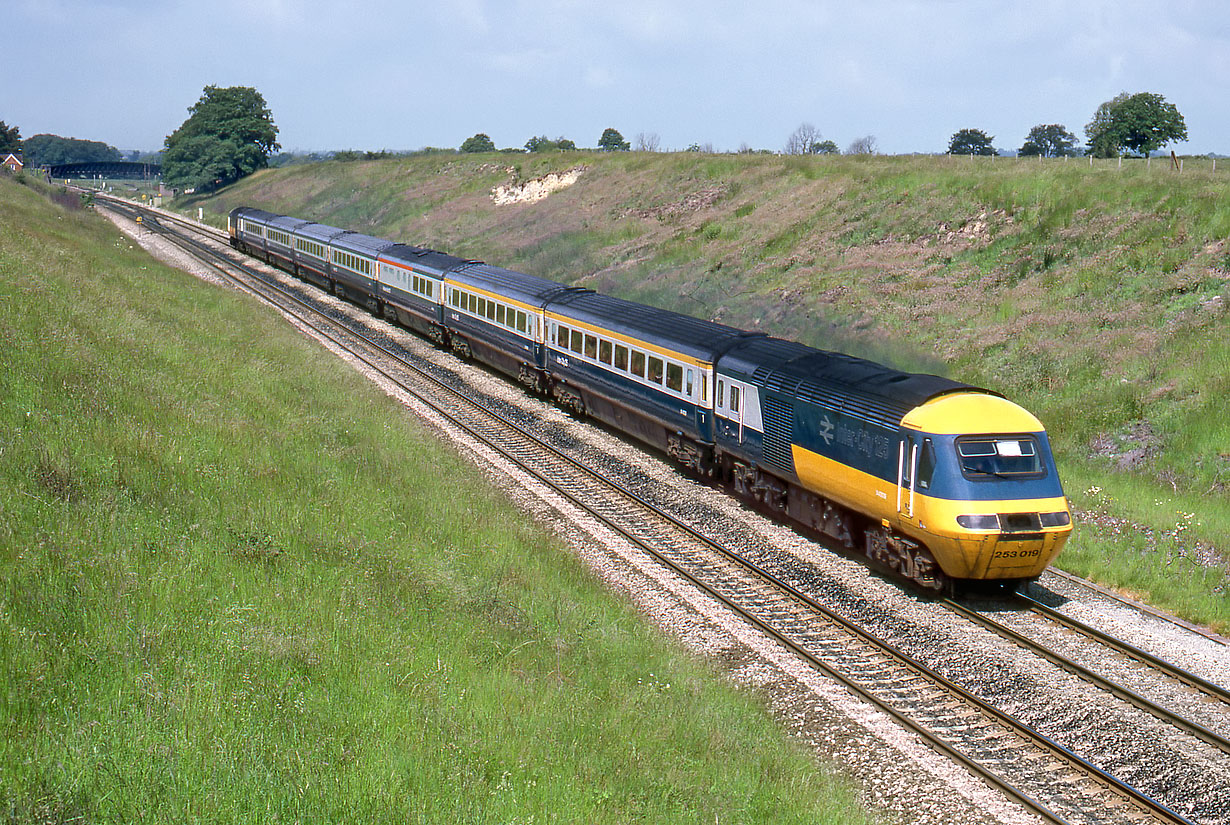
{"x": 230, "y": 133}
{"x": 53, "y": 150}
{"x": 611, "y": 141}
{"x": 1127, "y": 124}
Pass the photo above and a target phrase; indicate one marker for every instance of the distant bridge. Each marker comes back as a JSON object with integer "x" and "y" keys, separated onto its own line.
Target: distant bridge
{"x": 121, "y": 169}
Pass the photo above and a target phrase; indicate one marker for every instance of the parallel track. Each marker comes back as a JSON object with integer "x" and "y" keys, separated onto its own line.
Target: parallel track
{"x": 992, "y": 744}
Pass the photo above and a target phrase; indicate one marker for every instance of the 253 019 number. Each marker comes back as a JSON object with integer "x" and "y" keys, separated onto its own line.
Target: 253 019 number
{"x": 1018, "y": 554}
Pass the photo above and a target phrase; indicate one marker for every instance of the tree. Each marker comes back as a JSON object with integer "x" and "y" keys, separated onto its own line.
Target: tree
{"x": 478, "y": 143}
{"x": 544, "y": 144}
{"x": 805, "y": 140}
{"x": 613, "y": 141}
{"x": 1051, "y": 141}
{"x": 971, "y": 142}
{"x": 866, "y": 145}
{"x": 10, "y": 138}
{"x": 1139, "y": 123}
{"x": 52, "y": 150}
{"x": 647, "y": 141}
{"x": 1101, "y": 131}
{"x": 229, "y": 133}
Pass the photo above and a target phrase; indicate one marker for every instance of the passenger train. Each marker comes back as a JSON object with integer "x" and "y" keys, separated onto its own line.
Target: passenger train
{"x": 939, "y": 482}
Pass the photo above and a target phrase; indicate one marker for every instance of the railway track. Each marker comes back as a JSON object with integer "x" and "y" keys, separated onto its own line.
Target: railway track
{"x": 1051, "y": 780}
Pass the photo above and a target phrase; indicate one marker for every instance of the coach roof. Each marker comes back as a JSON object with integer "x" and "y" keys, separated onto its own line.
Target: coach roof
{"x": 287, "y": 223}
{"x": 837, "y": 380}
{"x": 251, "y": 213}
{"x": 358, "y": 242}
{"x": 423, "y": 260}
{"x": 528, "y": 289}
{"x": 699, "y": 339}
{"x": 318, "y": 232}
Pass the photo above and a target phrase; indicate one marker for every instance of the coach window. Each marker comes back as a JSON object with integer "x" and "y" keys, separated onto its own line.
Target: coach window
{"x": 674, "y": 377}
{"x": 499, "y": 315}
{"x": 638, "y": 363}
{"x": 491, "y": 305}
{"x": 688, "y": 385}
{"x": 591, "y": 347}
{"x": 655, "y": 370}
{"x": 575, "y": 343}
{"x": 604, "y": 352}
{"x": 621, "y": 357}
{"x": 721, "y": 395}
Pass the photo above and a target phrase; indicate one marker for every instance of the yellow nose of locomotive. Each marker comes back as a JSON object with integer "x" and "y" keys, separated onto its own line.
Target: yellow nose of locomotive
{"x": 988, "y": 502}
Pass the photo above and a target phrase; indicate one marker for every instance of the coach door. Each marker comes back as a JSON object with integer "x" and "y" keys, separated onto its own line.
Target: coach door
{"x": 907, "y": 471}
{"x": 915, "y": 467}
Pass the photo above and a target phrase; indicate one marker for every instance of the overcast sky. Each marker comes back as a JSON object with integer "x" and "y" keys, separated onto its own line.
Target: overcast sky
{"x": 401, "y": 74}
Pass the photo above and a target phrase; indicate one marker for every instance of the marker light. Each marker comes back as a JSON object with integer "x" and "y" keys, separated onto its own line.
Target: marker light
{"x": 990, "y": 522}
{"x": 1060, "y": 519}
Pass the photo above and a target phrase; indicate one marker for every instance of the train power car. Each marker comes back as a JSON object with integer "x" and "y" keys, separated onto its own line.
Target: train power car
{"x": 941, "y": 482}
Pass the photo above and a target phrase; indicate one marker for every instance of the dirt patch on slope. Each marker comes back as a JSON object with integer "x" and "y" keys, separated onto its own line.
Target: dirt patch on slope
{"x": 533, "y": 191}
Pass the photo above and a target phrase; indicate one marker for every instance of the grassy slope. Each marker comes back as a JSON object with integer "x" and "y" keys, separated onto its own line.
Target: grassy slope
{"x": 232, "y": 589}
{"x": 1096, "y": 296}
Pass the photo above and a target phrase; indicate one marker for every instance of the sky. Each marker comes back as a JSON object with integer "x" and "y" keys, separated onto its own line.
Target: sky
{"x": 404, "y": 74}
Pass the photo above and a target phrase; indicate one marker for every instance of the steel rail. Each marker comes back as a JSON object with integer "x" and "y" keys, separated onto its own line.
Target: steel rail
{"x": 1126, "y": 694}
{"x": 1188, "y": 678}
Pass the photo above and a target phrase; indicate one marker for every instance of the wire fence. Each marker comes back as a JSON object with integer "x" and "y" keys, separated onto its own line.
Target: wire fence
{"x": 1167, "y": 163}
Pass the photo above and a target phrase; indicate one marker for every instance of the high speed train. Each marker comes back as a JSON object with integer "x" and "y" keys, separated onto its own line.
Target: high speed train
{"x": 941, "y": 483}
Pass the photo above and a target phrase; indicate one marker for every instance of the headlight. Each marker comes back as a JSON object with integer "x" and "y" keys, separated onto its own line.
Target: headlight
{"x": 990, "y": 522}
{"x": 1061, "y": 519}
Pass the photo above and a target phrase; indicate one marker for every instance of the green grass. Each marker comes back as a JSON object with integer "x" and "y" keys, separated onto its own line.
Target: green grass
{"x": 233, "y": 588}
{"x": 1098, "y": 296}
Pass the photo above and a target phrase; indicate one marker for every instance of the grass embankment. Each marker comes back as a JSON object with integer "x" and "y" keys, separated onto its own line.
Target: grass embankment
{"x": 235, "y": 586}
{"x": 1095, "y": 296}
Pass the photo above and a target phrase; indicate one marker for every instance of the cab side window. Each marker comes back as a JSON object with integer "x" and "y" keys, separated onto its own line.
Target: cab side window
{"x": 926, "y": 465}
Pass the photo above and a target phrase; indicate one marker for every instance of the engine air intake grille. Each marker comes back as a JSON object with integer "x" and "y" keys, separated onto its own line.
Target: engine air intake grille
{"x": 778, "y": 434}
